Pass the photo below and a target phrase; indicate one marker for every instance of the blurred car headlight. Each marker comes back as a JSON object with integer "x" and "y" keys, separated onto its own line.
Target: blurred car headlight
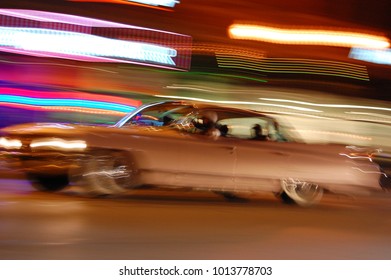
{"x": 55, "y": 143}
{"x": 7, "y": 143}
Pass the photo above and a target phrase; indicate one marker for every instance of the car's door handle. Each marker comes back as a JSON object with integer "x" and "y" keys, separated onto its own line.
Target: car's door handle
{"x": 228, "y": 147}
{"x": 279, "y": 153}
{"x": 231, "y": 149}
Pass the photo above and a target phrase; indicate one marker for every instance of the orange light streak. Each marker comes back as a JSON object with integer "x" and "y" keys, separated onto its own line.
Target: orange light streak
{"x": 306, "y": 36}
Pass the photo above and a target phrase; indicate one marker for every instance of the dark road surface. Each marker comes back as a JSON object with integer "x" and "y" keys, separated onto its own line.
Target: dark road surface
{"x": 170, "y": 225}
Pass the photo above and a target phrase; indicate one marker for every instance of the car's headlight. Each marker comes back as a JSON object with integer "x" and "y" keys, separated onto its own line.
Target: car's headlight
{"x": 7, "y": 143}
{"x": 56, "y": 143}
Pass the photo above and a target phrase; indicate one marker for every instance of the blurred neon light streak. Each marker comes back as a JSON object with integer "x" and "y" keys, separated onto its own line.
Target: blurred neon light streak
{"x": 125, "y": 43}
{"x": 62, "y": 109}
{"x": 166, "y": 3}
{"x": 65, "y": 18}
{"x": 295, "y": 66}
{"x": 80, "y": 58}
{"x": 328, "y": 105}
{"x": 373, "y": 56}
{"x": 83, "y": 110}
{"x": 72, "y": 43}
{"x": 56, "y": 64}
{"x": 65, "y": 102}
{"x": 306, "y": 36}
{"x": 286, "y": 71}
{"x": 155, "y": 4}
{"x": 68, "y": 95}
{"x": 239, "y": 102}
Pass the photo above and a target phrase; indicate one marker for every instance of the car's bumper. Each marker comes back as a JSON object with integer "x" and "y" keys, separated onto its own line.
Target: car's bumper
{"x": 42, "y": 162}
{"x": 384, "y": 161}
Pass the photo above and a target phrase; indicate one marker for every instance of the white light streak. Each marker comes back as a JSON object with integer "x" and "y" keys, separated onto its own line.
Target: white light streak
{"x": 239, "y": 103}
{"x": 327, "y": 105}
{"x": 80, "y": 44}
{"x": 10, "y": 143}
{"x": 165, "y": 3}
{"x": 372, "y": 55}
{"x": 59, "y": 143}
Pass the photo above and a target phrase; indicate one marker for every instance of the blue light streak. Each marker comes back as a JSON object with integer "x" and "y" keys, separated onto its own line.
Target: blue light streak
{"x": 66, "y": 103}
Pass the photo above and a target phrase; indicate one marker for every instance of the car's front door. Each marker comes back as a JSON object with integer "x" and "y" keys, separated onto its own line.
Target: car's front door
{"x": 206, "y": 162}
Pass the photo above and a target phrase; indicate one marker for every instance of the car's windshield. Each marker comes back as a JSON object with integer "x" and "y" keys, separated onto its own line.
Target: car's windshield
{"x": 156, "y": 115}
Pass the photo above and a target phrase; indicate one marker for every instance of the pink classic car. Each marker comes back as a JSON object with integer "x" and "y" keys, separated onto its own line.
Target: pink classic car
{"x": 188, "y": 145}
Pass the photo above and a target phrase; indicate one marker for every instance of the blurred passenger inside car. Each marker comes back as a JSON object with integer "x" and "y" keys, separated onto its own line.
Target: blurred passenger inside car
{"x": 168, "y": 119}
{"x": 258, "y": 133}
{"x": 207, "y": 124}
{"x": 223, "y": 130}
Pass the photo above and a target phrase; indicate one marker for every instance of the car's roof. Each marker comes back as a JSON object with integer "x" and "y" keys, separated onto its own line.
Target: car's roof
{"x": 209, "y": 105}
{"x": 195, "y": 104}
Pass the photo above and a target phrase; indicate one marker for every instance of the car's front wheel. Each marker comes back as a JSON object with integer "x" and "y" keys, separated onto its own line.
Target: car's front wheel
{"x": 108, "y": 172}
{"x": 300, "y": 192}
{"x": 48, "y": 183}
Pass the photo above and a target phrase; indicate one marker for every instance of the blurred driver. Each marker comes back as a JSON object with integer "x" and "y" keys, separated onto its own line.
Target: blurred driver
{"x": 207, "y": 123}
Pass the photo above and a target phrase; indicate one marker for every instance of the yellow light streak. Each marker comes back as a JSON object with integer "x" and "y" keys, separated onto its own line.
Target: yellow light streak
{"x": 295, "y": 66}
{"x": 306, "y": 36}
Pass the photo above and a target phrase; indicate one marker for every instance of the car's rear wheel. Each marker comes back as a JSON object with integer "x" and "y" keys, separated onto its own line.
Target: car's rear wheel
{"x": 48, "y": 183}
{"x": 300, "y": 192}
{"x": 108, "y": 173}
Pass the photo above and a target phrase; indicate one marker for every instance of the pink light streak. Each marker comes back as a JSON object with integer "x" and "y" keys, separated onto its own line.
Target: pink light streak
{"x": 70, "y": 95}
{"x": 62, "y": 109}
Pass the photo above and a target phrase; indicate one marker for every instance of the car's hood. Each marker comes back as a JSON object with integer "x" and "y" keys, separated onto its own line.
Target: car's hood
{"x": 50, "y": 129}
{"x": 68, "y": 129}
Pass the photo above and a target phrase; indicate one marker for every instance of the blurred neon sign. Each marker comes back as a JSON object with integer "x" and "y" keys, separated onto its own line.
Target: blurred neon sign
{"x": 72, "y": 37}
{"x": 30, "y": 39}
{"x": 372, "y": 55}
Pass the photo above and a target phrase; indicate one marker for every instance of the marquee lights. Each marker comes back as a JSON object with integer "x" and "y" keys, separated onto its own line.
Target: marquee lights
{"x": 72, "y": 37}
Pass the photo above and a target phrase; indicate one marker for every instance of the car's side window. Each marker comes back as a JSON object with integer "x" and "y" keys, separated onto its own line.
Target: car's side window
{"x": 244, "y": 127}
{"x": 250, "y": 127}
{"x": 230, "y": 124}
